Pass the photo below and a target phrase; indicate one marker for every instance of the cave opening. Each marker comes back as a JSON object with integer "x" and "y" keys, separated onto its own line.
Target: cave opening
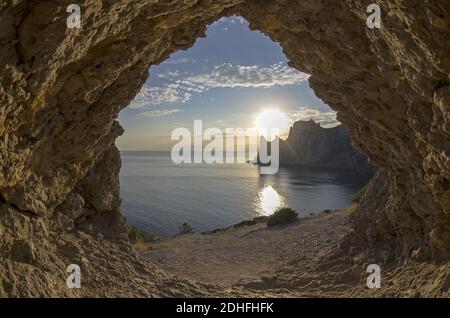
{"x": 62, "y": 90}
{"x": 232, "y": 79}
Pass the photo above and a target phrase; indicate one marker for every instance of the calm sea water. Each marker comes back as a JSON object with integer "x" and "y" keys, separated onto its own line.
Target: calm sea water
{"x": 159, "y": 196}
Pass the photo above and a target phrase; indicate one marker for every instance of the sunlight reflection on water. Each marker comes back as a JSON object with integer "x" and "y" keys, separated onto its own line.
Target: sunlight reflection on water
{"x": 268, "y": 201}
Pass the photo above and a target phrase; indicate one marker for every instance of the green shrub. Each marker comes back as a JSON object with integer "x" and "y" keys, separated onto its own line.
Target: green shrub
{"x": 136, "y": 235}
{"x": 254, "y": 221}
{"x": 185, "y": 228}
{"x": 282, "y": 216}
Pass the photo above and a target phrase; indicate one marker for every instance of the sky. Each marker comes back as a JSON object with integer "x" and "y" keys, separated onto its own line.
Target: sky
{"x": 226, "y": 79}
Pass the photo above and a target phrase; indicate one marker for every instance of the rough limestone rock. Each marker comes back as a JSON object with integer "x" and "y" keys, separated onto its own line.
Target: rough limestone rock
{"x": 61, "y": 90}
{"x": 100, "y": 186}
{"x": 310, "y": 144}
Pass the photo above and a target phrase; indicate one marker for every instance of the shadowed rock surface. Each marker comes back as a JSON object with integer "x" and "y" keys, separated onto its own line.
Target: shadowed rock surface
{"x": 310, "y": 144}
{"x": 61, "y": 91}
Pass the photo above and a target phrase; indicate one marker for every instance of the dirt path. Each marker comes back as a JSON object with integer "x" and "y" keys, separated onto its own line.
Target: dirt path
{"x": 301, "y": 259}
{"x": 249, "y": 253}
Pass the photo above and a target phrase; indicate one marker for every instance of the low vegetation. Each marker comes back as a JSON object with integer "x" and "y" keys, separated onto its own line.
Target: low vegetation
{"x": 282, "y": 216}
{"x": 136, "y": 236}
{"x": 254, "y": 221}
{"x": 185, "y": 228}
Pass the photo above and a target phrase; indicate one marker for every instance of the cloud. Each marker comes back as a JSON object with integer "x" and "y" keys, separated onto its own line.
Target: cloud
{"x": 238, "y": 19}
{"x": 225, "y": 75}
{"x": 169, "y": 74}
{"x": 228, "y": 21}
{"x": 159, "y": 112}
{"x": 238, "y": 76}
{"x": 326, "y": 119}
{"x": 149, "y": 96}
{"x": 180, "y": 61}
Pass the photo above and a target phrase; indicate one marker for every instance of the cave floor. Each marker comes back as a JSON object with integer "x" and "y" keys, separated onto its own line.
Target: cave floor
{"x": 297, "y": 259}
{"x": 249, "y": 253}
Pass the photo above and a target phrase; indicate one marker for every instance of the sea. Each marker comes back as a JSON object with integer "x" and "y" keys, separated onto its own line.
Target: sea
{"x": 158, "y": 195}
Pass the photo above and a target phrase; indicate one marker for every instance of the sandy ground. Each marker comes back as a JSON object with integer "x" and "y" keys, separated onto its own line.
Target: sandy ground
{"x": 249, "y": 253}
{"x": 301, "y": 259}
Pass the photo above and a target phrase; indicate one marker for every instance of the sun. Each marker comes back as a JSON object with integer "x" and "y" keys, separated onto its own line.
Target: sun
{"x": 272, "y": 120}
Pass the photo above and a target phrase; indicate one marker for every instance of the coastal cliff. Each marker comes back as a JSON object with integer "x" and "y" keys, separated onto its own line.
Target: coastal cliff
{"x": 310, "y": 144}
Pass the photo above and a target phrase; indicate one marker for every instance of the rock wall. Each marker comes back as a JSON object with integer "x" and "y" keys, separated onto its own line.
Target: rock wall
{"x": 310, "y": 144}
{"x": 61, "y": 90}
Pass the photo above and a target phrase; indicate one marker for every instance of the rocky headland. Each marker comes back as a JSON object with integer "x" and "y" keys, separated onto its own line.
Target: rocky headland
{"x": 309, "y": 144}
